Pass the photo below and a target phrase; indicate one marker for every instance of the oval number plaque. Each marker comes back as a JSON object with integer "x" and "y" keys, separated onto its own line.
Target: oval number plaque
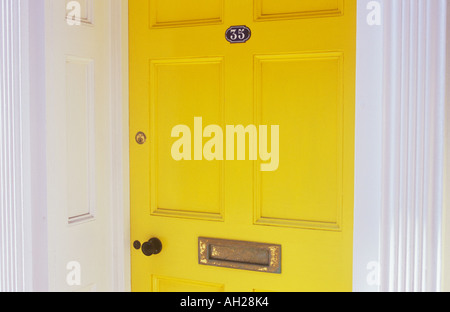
{"x": 238, "y": 34}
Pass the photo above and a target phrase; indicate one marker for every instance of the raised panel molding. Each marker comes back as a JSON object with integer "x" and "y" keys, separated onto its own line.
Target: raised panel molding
{"x": 80, "y": 123}
{"x": 287, "y": 9}
{"x": 318, "y": 214}
{"x": 181, "y": 13}
{"x": 208, "y": 100}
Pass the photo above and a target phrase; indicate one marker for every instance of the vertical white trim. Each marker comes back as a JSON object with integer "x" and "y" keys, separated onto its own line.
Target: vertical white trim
{"x": 37, "y": 176}
{"x": 446, "y": 218}
{"x": 368, "y": 151}
{"x": 15, "y": 265}
{"x": 23, "y": 238}
{"x": 26, "y": 146}
{"x": 413, "y": 120}
{"x": 121, "y": 274}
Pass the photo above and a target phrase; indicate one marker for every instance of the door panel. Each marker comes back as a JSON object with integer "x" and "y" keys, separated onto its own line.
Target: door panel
{"x": 78, "y": 145}
{"x": 185, "y": 189}
{"x": 295, "y": 195}
{"x": 169, "y": 13}
{"x": 297, "y": 71}
{"x": 276, "y": 9}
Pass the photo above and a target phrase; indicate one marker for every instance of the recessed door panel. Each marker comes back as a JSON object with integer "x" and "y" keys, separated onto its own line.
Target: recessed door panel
{"x": 179, "y": 13}
{"x": 179, "y": 91}
{"x": 80, "y": 121}
{"x": 288, "y": 9}
{"x": 304, "y": 91}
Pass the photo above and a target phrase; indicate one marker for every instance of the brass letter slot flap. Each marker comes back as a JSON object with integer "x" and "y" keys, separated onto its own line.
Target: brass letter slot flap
{"x": 240, "y": 255}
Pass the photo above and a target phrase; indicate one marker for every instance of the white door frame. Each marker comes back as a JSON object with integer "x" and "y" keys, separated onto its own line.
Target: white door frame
{"x": 121, "y": 229}
{"x": 368, "y": 150}
{"x": 15, "y": 265}
{"x": 400, "y": 147}
{"x": 413, "y": 156}
{"x": 377, "y": 218}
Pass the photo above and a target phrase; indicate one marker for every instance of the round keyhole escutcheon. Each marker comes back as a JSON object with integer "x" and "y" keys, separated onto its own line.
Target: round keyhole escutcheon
{"x": 141, "y": 138}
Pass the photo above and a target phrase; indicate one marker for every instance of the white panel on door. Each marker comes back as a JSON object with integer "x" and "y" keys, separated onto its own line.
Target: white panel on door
{"x": 80, "y": 121}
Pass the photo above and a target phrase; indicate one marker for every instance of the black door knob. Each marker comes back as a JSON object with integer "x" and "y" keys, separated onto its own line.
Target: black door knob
{"x": 152, "y": 247}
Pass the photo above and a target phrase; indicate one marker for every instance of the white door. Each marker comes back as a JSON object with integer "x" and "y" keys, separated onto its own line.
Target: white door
{"x": 79, "y": 189}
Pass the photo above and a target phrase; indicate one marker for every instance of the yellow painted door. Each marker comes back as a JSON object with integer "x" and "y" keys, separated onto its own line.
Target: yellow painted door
{"x": 297, "y": 71}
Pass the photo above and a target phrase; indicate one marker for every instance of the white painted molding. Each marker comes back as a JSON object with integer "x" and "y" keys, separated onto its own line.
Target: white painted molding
{"x": 22, "y": 166}
{"x": 368, "y": 151}
{"x": 15, "y": 219}
{"x": 121, "y": 267}
{"x": 446, "y": 218}
{"x": 413, "y": 135}
{"x": 35, "y": 55}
